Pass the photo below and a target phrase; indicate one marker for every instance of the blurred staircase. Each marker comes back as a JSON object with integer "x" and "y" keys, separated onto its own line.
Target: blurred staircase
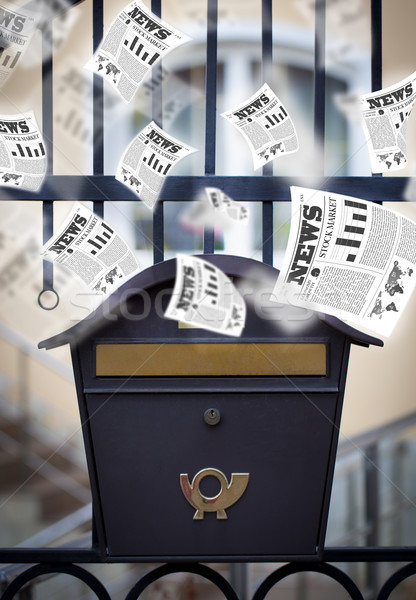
{"x": 42, "y": 471}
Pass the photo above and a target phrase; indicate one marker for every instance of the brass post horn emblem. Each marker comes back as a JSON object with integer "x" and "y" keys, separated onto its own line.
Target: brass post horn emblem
{"x": 228, "y": 494}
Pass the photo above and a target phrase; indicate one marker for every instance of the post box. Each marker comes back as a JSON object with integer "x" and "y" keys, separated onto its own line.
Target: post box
{"x": 205, "y": 447}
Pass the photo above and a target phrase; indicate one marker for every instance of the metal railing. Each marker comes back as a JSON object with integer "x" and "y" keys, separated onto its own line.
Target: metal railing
{"x": 267, "y": 189}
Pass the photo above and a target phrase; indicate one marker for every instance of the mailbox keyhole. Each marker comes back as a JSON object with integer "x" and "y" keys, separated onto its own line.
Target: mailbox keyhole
{"x": 212, "y": 416}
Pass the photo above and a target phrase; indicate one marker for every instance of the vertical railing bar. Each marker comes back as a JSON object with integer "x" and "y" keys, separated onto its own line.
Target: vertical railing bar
{"x": 47, "y": 102}
{"x": 158, "y": 233}
{"x": 211, "y": 104}
{"x": 47, "y": 215}
{"x": 376, "y": 51}
{"x": 267, "y": 74}
{"x": 372, "y": 513}
{"x": 376, "y": 45}
{"x": 319, "y": 81}
{"x": 157, "y": 108}
{"x": 211, "y": 87}
{"x": 47, "y": 129}
{"x": 157, "y": 111}
{"x": 267, "y": 42}
{"x": 98, "y": 102}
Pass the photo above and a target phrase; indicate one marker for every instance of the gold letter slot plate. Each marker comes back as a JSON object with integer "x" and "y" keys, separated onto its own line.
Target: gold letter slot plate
{"x": 215, "y": 360}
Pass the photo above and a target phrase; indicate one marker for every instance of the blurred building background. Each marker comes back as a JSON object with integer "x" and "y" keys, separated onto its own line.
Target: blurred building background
{"x": 43, "y": 475}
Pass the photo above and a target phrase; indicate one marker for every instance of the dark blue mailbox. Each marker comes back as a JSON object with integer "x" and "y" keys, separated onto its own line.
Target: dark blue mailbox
{"x": 201, "y": 446}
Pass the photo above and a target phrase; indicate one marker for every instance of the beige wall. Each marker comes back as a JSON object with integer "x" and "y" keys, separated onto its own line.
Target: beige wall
{"x": 52, "y": 399}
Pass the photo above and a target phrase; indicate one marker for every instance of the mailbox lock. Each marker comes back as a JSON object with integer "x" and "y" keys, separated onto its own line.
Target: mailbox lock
{"x": 212, "y": 416}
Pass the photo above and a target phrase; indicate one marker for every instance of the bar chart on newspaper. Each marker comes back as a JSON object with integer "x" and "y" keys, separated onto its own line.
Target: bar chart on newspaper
{"x": 347, "y": 245}
{"x": 9, "y": 60}
{"x": 29, "y": 151}
{"x": 275, "y": 119}
{"x": 140, "y": 52}
{"x": 154, "y": 163}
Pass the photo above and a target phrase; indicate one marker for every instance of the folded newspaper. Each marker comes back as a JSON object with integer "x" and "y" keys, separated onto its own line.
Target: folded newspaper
{"x": 385, "y": 114}
{"x": 136, "y": 42}
{"x": 349, "y": 258}
{"x": 90, "y": 248}
{"x": 147, "y": 160}
{"x": 23, "y": 161}
{"x": 205, "y": 297}
{"x": 215, "y": 209}
{"x": 266, "y": 125}
{"x": 16, "y": 30}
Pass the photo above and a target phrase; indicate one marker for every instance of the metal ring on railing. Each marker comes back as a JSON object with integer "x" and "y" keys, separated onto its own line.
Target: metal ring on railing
{"x": 197, "y": 569}
{"x": 395, "y": 580}
{"x": 292, "y": 568}
{"x": 44, "y": 291}
{"x": 67, "y": 569}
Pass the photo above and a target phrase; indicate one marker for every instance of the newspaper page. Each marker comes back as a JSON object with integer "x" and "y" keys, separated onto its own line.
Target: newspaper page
{"x": 16, "y": 29}
{"x": 215, "y": 209}
{"x": 135, "y": 42}
{"x": 349, "y": 258}
{"x": 266, "y": 125}
{"x": 147, "y": 161}
{"x": 88, "y": 246}
{"x": 205, "y": 297}
{"x": 385, "y": 115}
{"x": 23, "y": 161}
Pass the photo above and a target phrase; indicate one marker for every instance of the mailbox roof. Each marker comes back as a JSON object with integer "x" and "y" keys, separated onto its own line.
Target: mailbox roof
{"x": 231, "y": 265}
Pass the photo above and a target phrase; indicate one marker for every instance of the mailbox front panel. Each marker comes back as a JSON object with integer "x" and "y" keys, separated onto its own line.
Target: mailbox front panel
{"x": 280, "y": 444}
